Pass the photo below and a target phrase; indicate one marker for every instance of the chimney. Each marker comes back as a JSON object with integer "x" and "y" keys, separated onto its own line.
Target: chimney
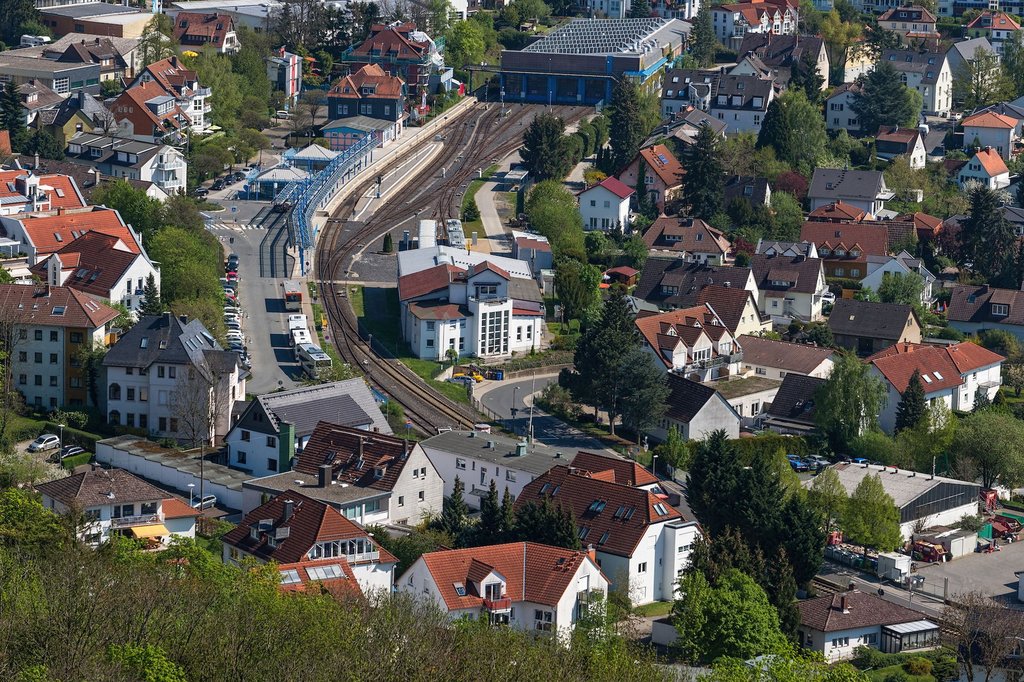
{"x": 36, "y": 166}
{"x": 183, "y": 319}
{"x": 843, "y": 604}
{"x": 60, "y": 210}
{"x": 592, "y": 553}
{"x": 289, "y": 508}
{"x": 851, "y": 587}
{"x": 324, "y": 476}
{"x": 167, "y": 316}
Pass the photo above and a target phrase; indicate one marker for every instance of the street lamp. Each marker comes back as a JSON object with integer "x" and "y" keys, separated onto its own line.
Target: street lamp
{"x": 654, "y": 465}
{"x": 191, "y": 487}
{"x": 61, "y": 451}
{"x": 515, "y": 407}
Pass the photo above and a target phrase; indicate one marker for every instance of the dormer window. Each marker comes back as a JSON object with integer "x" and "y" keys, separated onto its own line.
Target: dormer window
{"x": 1000, "y": 310}
{"x": 824, "y": 251}
{"x": 840, "y": 252}
{"x": 855, "y": 253}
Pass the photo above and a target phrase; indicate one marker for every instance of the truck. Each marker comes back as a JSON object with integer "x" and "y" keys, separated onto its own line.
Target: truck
{"x": 292, "y": 295}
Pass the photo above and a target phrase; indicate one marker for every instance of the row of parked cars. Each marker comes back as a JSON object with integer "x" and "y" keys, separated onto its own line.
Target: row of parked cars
{"x": 222, "y": 182}
{"x": 233, "y": 310}
{"x": 808, "y": 463}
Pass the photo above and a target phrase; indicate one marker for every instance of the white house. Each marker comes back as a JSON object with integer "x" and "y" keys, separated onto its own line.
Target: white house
{"x": 986, "y": 167}
{"x": 952, "y": 375}
{"x": 115, "y": 502}
{"x": 294, "y": 528}
{"x": 183, "y": 84}
{"x": 739, "y": 101}
{"x": 695, "y": 410}
{"x": 865, "y": 190}
{"x": 128, "y": 159}
{"x": 368, "y": 477}
{"x": 22, "y": 191}
{"x": 265, "y": 438}
{"x": 749, "y": 396}
{"x": 902, "y": 264}
{"x": 776, "y": 359}
{"x": 478, "y": 308}
{"x": 894, "y": 142}
{"x": 839, "y": 113}
{"x": 605, "y": 205}
{"x": 733, "y": 21}
{"x": 164, "y": 369}
{"x": 42, "y": 234}
{"x": 835, "y": 625}
{"x": 789, "y": 287}
{"x": 693, "y": 342}
{"x": 532, "y": 587}
{"x": 929, "y": 74}
{"x": 640, "y": 541}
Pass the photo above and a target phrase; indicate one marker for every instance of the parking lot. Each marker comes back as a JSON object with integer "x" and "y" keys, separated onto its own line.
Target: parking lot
{"x": 990, "y": 574}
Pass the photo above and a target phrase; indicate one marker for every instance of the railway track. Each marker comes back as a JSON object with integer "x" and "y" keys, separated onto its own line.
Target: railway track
{"x": 478, "y": 136}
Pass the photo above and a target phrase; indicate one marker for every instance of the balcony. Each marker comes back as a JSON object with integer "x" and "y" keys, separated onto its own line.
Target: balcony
{"x": 173, "y": 164}
{"x": 139, "y": 520}
{"x": 202, "y": 92}
{"x": 711, "y": 363}
{"x": 363, "y": 556}
{"x": 493, "y": 605}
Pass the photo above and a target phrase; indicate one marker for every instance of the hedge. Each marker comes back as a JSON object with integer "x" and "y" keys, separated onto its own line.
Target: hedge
{"x": 71, "y": 462}
{"x": 82, "y": 439}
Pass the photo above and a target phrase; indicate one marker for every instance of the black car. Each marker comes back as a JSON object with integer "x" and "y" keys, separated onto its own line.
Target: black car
{"x": 217, "y": 184}
{"x": 67, "y": 451}
{"x": 200, "y": 192}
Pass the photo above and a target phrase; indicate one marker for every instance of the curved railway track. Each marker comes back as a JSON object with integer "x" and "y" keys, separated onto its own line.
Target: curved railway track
{"x": 478, "y": 136}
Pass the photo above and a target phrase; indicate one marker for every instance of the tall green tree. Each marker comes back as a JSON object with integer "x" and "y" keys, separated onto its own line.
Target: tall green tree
{"x": 979, "y": 81}
{"x": 872, "y": 518}
{"x": 627, "y": 128}
{"x": 151, "y": 304}
{"x": 578, "y": 286}
{"x": 547, "y": 524}
{"x": 704, "y": 43}
{"x": 912, "y": 407}
{"x": 640, "y": 9}
{"x": 644, "y": 391}
{"x": 136, "y": 208}
{"x": 12, "y": 116}
{"x": 464, "y": 44}
{"x": 795, "y": 128}
{"x": 905, "y": 288}
{"x": 1001, "y": 457}
{"x": 702, "y": 181}
{"x": 26, "y": 524}
{"x": 507, "y": 517}
{"x": 454, "y": 518}
{"x": 715, "y": 474}
{"x": 488, "y": 530}
{"x": 885, "y": 100}
{"x": 827, "y": 497}
{"x": 157, "y": 41}
{"x": 545, "y": 150}
{"x": 848, "y": 402}
{"x": 841, "y": 39}
{"x": 552, "y": 210}
{"x": 987, "y": 241}
{"x": 1013, "y": 61}
{"x": 805, "y": 76}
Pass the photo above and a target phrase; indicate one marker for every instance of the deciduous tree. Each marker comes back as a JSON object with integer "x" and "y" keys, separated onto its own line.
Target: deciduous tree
{"x": 828, "y": 497}
{"x": 848, "y": 402}
{"x": 979, "y": 81}
{"x": 1001, "y": 459}
{"x": 872, "y": 518}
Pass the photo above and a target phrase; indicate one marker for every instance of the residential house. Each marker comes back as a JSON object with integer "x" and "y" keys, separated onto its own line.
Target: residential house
{"x": 534, "y": 249}
{"x": 660, "y": 172}
{"x": 977, "y": 308}
{"x": 789, "y": 287}
{"x": 737, "y": 308}
{"x": 63, "y": 78}
{"x": 616, "y": 470}
{"x": 778, "y": 359}
{"x": 538, "y": 588}
{"x": 163, "y": 367}
{"x": 482, "y": 305}
{"x": 902, "y": 264}
{"x": 183, "y": 83}
{"x": 99, "y": 51}
{"x": 102, "y": 266}
{"x": 865, "y": 190}
{"x": 998, "y": 27}
{"x": 676, "y": 283}
{"x": 929, "y": 74}
{"x": 749, "y": 396}
{"x": 693, "y": 342}
{"x": 197, "y": 30}
{"x": 669, "y": 9}
{"x": 838, "y": 212}
{"x": 684, "y": 125}
{"x": 284, "y": 69}
{"x": 605, "y": 206}
{"x": 964, "y": 54}
{"x": 42, "y": 234}
{"x": 927, "y": 226}
{"x": 752, "y": 190}
{"x": 790, "y": 249}
{"x": 131, "y": 160}
{"x": 404, "y": 51}
{"x": 738, "y": 101}
{"x": 893, "y": 142}
{"x": 36, "y": 98}
{"x": 273, "y": 427}
{"x": 859, "y": 62}
{"x": 128, "y": 56}
{"x": 844, "y": 247}
{"x": 986, "y": 167}
{"x": 75, "y": 114}
{"x": 53, "y": 325}
{"x": 783, "y": 53}
{"x": 695, "y": 410}
{"x": 839, "y": 113}
{"x": 835, "y": 625}
{"x": 294, "y": 528}
{"x": 691, "y": 238}
{"x": 792, "y": 410}
{"x": 868, "y": 327}
{"x": 326, "y": 576}
{"x": 113, "y": 502}
{"x": 344, "y": 133}
{"x": 733, "y": 21}
{"x": 27, "y": 192}
{"x": 989, "y": 129}
{"x": 148, "y": 113}
{"x": 954, "y": 375}
{"x": 641, "y": 543}
{"x": 369, "y": 91}
{"x": 911, "y": 23}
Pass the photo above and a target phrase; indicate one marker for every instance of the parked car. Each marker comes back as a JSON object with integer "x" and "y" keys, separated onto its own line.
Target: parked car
{"x": 464, "y": 380}
{"x": 232, "y": 277}
{"x": 47, "y": 441}
{"x": 68, "y": 451}
{"x": 218, "y": 184}
{"x": 205, "y": 503}
{"x": 200, "y": 192}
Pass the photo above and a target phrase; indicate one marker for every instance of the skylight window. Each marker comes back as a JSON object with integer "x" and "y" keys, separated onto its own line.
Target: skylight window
{"x": 927, "y": 379}
{"x": 660, "y": 509}
{"x": 604, "y": 538}
{"x": 584, "y": 532}
{"x": 290, "y": 577}
{"x": 460, "y": 589}
{"x": 56, "y": 235}
{"x": 597, "y": 506}
{"x": 144, "y": 343}
{"x": 60, "y": 192}
{"x": 937, "y": 376}
{"x": 544, "y": 488}
{"x": 325, "y": 572}
{"x": 58, "y": 310}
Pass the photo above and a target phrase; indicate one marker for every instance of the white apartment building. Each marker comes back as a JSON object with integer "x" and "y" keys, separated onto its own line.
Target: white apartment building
{"x": 605, "y": 205}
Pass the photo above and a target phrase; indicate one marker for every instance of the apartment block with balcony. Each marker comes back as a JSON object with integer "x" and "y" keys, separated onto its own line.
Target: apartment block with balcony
{"x": 115, "y": 502}
{"x": 293, "y": 528}
{"x": 538, "y": 588}
{"x": 694, "y": 342}
{"x": 160, "y": 164}
{"x": 183, "y": 84}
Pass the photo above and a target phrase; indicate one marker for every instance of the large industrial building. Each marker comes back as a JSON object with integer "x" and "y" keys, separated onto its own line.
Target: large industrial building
{"x": 580, "y": 62}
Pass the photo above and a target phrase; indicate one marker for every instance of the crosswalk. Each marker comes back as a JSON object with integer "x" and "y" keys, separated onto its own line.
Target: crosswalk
{"x": 234, "y": 227}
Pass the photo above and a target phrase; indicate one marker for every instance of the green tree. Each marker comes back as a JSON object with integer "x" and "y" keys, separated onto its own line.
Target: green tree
{"x": 248, "y": 63}
{"x": 43, "y": 143}
{"x": 640, "y": 9}
{"x": 841, "y": 39}
{"x": 872, "y": 518}
{"x": 507, "y": 517}
{"x": 547, "y": 524}
{"x": 26, "y": 524}
{"x": 157, "y": 41}
{"x": 1013, "y": 377}
{"x": 1013, "y": 61}
{"x": 912, "y": 407}
{"x": 714, "y": 475}
{"x": 464, "y": 44}
{"x": 454, "y": 519}
{"x": 805, "y": 76}
{"x": 215, "y": 72}
{"x": 803, "y": 130}
{"x": 146, "y": 662}
{"x": 627, "y": 129}
{"x": 1000, "y": 341}
{"x": 545, "y": 150}
{"x": 151, "y": 304}
{"x": 979, "y": 81}
{"x": 885, "y": 100}
{"x": 674, "y": 450}
{"x": 789, "y": 217}
{"x": 136, "y": 208}
{"x": 904, "y": 288}
{"x": 734, "y": 619}
{"x": 704, "y": 42}
{"x": 848, "y": 402}
{"x": 987, "y": 240}
{"x": 702, "y": 183}
{"x": 635, "y": 250}
{"x": 827, "y": 496}
{"x": 578, "y": 287}
{"x": 489, "y": 530}
{"x": 12, "y": 116}
{"x": 1000, "y": 459}
{"x": 644, "y": 389}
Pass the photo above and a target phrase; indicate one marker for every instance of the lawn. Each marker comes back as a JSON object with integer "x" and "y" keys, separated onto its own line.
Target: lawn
{"x": 475, "y": 225}
{"x": 658, "y": 608}
{"x": 385, "y": 326}
{"x": 880, "y": 674}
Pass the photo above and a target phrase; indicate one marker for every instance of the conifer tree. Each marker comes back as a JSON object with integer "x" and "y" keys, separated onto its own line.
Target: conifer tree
{"x": 627, "y": 130}
{"x": 702, "y": 181}
{"x": 508, "y": 517}
{"x": 151, "y": 304}
{"x": 488, "y": 530}
{"x": 912, "y": 408}
{"x": 455, "y": 516}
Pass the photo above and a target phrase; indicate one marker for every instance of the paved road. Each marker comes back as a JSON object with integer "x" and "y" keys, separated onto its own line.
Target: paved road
{"x": 844, "y": 575}
{"x": 547, "y": 428}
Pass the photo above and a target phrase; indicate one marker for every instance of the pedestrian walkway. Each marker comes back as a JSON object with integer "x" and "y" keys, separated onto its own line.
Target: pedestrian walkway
{"x": 485, "y": 201}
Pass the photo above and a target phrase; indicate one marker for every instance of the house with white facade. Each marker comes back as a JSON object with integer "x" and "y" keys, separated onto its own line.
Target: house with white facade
{"x": 985, "y": 167}
{"x": 693, "y": 342}
{"x": 163, "y": 369}
{"x": 733, "y": 21}
{"x": 739, "y": 101}
{"x": 293, "y": 528}
{"x": 776, "y": 359}
{"x": 737, "y": 308}
{"x": 989, "y": 129}
{"x": 102, "y": 266}
{"x": 910, "y": 23}
{"x": 902, "y": 264}
{"x": 368, "y": 477}
{"x": 469, "y": 303}
{"x": 976, "y": 308}
{"x": 537, "y": 588}
{"x": 658, "y": 171}
{"x": 274, "y": 427}
{"x": 641, "y": 542}
{"x": 929, "y": 74}
{"x": 23, "y": 191}
{"x": 865, "y": 190}
{"x": 953, "y": 375}
{"x": 114, "y": 502}
{"x": 183, "y": 84}
{"x": 605, "y": 205}
{"x": 690, "y": 238}
{"x": 789, "y": 286}
{"x": 893, "y": 142}
{"x": 42, "y": 234}
{"x": 749, "y": 396}
{"x": 128, "y": 159}
{"x": 695, "y": 410}
{"x": 998, "y": 27}
{"x": 834, "y": 625}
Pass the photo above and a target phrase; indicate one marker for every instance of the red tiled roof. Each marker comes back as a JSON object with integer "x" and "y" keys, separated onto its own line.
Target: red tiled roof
{"x": 926, "y": 225}
{"x": 354, "y": 455}
{"x": 43, "y": 230}
{"x": 623, "y": 471}
{"x": 534, "y": 244}
{"x": 905, "y": 136}
{"x": 871, "y": 236}
{"x": 1000, "y": 21}
{"x": 488, "y": 265}
{"x": 826, "y": 614}
{"x": 63, "y": 192}
{"x": 989, "y": 119}
{"x": 616, "y": 527}
{"x": 991, "y": 162}
{"x": 936, "y": 368}
{"x": 430, "y": 310}
{"x": 202, "y": 27}
{"x": 791, "y": 357}
{"x": 838, "y": 210}
{"x": 5, "y": 143}
{"x": 131, "y": 104}
{"x": 389, "y": 41}
{"x": 535, "y": 573}
{"x": 686, "y": 325}
{"x": 427, "y": 281}
{"x": 36, "y": 305}
{"x": 176, "y": 509}
{"x": 311, "y": 521}
{"x": 172, "y": 74}
{"x": 372, "y": 76}
{"x": 98, "y": 260}
{"x": 344, "y": 587}
{"x": 623, "y": 270}
{"x": 660, "y": 160}
{"x": 615, "y": 186}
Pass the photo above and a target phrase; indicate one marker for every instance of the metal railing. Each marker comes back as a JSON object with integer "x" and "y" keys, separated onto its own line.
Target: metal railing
{"x": 138, "y": 520}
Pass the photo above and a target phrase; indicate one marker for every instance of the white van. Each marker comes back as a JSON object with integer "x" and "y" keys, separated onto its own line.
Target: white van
{"x": 34, "y": 41}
